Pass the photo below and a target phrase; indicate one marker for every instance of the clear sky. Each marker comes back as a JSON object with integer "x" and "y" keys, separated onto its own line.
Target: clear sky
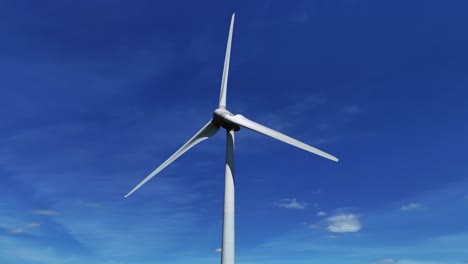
{"x": 96, "y": 94}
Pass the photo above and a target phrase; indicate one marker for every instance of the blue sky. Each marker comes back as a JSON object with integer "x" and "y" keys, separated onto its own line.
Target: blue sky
{"x": 96, "y": 94}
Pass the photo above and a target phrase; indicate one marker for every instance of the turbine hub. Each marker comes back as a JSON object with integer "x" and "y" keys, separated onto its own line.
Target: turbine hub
{"x": 219, "y": 120}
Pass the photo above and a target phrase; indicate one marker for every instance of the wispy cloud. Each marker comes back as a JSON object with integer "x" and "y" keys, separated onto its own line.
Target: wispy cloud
{"x": 32, "y": 225}
{"x": 291, "y": 204}
{"x": 314, "y": 226}
{"x": 418, "y": 262}
{"x": 385, "y": 260}
{"x": 345, "y": 210}
{"x": 321, "y": 213}
{"x": 44, "y": 212}
{"x": 352, "y": 109}
{"x": 344, "y": 223}
{"x": 306, "y": 103}
{"x": 411, "y": 206}
{"x": 218, "y": 250}
{"x": 301, "y": 18}
{"x": 16, "y": 231}
{"x": 92, "y": 205}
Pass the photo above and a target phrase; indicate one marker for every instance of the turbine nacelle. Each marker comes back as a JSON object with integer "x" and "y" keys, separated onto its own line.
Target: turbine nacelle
{"x": 219, "y": 119}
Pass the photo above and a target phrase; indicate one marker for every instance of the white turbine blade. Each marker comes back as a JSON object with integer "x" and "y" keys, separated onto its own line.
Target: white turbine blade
{"x": 207, "y": 131}
{"x": 222, "y": 94}
{"x": 244, "y": 122}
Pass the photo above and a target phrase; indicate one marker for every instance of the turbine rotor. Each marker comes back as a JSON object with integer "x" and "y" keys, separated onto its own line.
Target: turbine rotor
{"x": 220, "y": 120}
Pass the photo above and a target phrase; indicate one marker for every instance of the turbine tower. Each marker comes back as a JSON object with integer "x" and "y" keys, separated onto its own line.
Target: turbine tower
{"x": 232, "y": 123}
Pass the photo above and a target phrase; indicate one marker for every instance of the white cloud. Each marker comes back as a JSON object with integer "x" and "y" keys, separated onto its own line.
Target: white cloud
{"x": 344, "y": 223}
{"x": 218, "y": 250}
{"x": 291, "y": 204}
{"x": 385, "y": 260}
{"x": 33, "y": 224}
{"x": 44, "y": 212}
{"x": 16, "y": 231}
{"x": 410, "y": 206}
{"x": 314, "y": 226}
{"x": 321, "y": 213}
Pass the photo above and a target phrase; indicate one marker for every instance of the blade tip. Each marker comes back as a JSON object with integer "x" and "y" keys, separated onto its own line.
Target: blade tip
{"x": 128, "y": 194}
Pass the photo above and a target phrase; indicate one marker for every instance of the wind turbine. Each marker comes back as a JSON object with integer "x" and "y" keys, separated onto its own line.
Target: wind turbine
{"x": 232, "y": 123}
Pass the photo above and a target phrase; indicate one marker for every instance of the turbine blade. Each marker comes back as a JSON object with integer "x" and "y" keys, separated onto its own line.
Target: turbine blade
{"x": 207, "y": 131}
{"x": 244, "y": 122}
{"x": 222, "y": 94}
